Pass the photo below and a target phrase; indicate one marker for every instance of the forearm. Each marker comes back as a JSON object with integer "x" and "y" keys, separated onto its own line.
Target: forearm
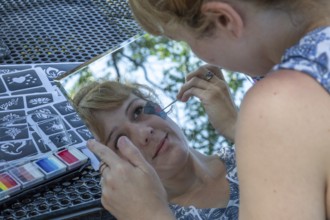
{"x": 227, "y": 128}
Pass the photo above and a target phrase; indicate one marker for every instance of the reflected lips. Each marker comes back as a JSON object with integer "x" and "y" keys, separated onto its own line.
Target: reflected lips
{"x": 159, "y": 147}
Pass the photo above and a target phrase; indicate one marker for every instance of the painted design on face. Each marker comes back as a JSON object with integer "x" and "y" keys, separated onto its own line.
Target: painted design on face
{"x": 152, "y": 108}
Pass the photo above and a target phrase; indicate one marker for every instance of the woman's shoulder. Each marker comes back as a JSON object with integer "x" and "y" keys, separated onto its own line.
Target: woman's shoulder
{"x": 284, "y": 93}
{"x": 281, "y": 86}
{"x": 311, "y": 55}
{"x": 285, "y": 112}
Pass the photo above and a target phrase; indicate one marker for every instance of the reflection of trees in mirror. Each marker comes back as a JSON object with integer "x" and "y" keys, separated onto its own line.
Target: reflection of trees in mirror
{"x": 162, "y": 64}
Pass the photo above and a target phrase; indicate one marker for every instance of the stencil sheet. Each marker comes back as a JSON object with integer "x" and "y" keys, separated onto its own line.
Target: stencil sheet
{"x": 36, "y": 117}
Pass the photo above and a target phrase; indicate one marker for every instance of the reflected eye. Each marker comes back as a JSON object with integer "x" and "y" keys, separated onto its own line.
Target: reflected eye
{"x": 137, "y": 112}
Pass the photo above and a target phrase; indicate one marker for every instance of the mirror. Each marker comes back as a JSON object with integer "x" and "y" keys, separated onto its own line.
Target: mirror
{"x": 161, "y": 64}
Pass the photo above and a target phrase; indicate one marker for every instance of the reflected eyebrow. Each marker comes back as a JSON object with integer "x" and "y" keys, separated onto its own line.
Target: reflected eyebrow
{"x": 116, "y": 127}
{"x": 129, "y": 105}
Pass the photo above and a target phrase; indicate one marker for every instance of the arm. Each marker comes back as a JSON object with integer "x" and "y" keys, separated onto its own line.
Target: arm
{"x": 131, "y": 189}
{"x": 215, "y": 97}
{"x": 282, "y": 140}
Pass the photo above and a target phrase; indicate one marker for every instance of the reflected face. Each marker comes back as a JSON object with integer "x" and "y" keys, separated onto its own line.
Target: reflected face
{"x": 160, "y": 140}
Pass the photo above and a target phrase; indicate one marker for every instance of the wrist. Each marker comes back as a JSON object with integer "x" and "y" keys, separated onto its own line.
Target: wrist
{"x": 228, "y": 130}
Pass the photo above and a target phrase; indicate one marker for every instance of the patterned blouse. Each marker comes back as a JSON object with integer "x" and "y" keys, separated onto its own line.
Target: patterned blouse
{"x": 311, "y": 56}
{"x": 226, "y": 154}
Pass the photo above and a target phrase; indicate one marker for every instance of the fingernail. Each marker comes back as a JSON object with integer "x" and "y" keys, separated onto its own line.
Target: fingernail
{"x": 122, "y": 141}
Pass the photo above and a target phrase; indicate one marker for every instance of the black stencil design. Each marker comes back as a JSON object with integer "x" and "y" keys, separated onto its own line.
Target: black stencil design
{"x": 10, "y": 133}
{"x": 64, "y": 107}
{"x": 60, "y": 139}
{"x": 11, "y": 103}
{"x": 22, "y": 80}
{"x": 75, "y": 139}
{"x": 12, "y": 117}
{"x": 74, "y": 120}
{"x": 54, "y": 71}
{"x": 44, "y": 113}
{"x": 38, "y": 100}
{"x": 42, "y": 145}
{"x": 85, "y": 133}
{"x": 14, "y": 150}
{"x": 53, "y": 126}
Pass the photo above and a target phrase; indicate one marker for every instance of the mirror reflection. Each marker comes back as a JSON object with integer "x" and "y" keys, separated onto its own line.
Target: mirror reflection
{"x": 162, "y": 65}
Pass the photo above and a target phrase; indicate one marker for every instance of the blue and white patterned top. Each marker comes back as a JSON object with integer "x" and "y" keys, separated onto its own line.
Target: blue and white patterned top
{"x": 311, "y": 56}
{"x": 226, "y": 154}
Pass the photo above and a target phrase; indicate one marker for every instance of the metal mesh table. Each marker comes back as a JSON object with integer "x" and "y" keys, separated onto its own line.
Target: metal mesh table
{"x": 74, "y": 196}
{"x": 52, "y": 31}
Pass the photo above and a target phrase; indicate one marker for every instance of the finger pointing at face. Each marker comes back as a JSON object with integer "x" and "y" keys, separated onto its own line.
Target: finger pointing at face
{"x": 103, "y": 152}
{"x": 129, "y": 179}
{"x": 130, "y": 152}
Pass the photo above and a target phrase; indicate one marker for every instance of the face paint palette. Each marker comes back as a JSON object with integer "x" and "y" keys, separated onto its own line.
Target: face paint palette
{"x": 28, "y": 175}
{"x": 8, "y": 185}
{"x": 32, "y": 173}
{"x": 50, "y": 166}
{"x": 72, "y": 157}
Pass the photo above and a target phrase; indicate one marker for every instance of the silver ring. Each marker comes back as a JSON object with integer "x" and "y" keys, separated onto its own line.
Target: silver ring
{"x": 208, "y": 76}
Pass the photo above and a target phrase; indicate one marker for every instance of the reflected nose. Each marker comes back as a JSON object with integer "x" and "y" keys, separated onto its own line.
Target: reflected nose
{"x": 142, "y": 134}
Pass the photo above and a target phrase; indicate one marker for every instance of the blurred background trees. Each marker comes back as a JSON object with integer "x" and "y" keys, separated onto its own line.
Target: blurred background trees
{"x": 163, "y": 64}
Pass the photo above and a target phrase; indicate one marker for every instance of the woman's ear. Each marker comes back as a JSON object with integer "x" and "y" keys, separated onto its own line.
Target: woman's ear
{"x": 224, "y": 16}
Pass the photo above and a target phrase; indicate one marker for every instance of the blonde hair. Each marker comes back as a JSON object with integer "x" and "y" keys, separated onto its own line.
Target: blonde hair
{"x": 107, "y": 95}
{"x": 154, "y": 15}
